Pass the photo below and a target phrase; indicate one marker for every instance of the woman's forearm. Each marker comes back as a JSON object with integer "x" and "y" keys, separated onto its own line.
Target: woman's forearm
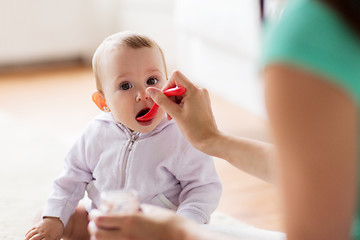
{"x": 251, "y": 156}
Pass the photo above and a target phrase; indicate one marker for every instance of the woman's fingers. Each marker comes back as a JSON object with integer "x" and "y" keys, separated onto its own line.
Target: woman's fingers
{"x": 193, "y": 115}
{"x": 171, "y": 108}
{"x": 146, "y": 224}
{"x": 176, "y": 79}
{"x": 181, "y": 80}
{"x": 109, "y": 222}
{"x": 103, "y": 221}
{"x": 104, "y": 234}
{"x": 107, "y": 227}
{"x": 163, "y": 101}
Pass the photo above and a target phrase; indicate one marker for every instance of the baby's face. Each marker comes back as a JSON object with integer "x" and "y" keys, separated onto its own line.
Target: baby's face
{"x": 125, "y": 75}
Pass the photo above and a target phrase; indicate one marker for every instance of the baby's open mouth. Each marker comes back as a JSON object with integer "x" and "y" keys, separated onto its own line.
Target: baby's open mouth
{"x": 143, "y": 112}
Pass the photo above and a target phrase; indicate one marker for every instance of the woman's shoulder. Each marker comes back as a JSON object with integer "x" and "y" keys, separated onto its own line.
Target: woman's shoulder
{"x": 312, "y": 35}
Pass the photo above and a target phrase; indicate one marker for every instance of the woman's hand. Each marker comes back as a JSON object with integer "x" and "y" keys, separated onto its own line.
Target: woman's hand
{"x": 193, "y": 115}
{"x": 152, "y": 223}
{"x": 196, "y": 121}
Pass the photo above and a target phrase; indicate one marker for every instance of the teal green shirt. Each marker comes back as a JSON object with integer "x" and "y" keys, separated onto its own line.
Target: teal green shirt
{"x": 312, "y": 36}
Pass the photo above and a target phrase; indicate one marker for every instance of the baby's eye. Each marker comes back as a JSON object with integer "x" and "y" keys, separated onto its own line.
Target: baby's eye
{"x": 125, "y": 86}
{"x": 151, "y": 81}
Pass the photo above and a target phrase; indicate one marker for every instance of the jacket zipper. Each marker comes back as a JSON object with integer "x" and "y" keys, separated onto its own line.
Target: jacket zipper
{"x": 133, "y": 138}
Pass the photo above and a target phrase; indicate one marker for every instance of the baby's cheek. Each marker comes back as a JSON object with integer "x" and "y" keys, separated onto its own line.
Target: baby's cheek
{"x": 122, "y": 117}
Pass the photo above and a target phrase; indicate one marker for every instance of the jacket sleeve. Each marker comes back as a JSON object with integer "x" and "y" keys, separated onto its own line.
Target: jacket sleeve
{"x": 201, "y": 186}
{"x": 69, "y": 187}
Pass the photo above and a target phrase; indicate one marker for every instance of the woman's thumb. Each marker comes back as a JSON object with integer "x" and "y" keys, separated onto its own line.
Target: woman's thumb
{"x": 163, "y": 101}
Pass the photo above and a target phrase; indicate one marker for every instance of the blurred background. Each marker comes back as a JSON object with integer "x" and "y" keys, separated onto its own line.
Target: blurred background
{"x": 46, "y": 83}
{"x": 215, "y": 43}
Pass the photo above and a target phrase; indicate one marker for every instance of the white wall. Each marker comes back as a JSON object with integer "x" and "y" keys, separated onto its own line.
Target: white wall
{"x": 218, "y": 46}
{"x": 47, "y": 30}
{"x": 151, "y": 17}
{"x": 41, "y": 30}
{"x": 214, "y": 42}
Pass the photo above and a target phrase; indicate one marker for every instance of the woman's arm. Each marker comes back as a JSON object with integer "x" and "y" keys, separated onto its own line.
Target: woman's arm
{"x": 251, "y": 156}
{"x": 314, "y": 126}
{"x": 195, "y": 119}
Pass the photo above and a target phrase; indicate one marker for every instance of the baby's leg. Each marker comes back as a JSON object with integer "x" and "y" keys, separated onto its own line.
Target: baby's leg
{"x": 76, "y": 228}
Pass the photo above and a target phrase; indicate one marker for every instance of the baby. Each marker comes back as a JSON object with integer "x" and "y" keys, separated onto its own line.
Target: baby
{"x": 116, "y": 151}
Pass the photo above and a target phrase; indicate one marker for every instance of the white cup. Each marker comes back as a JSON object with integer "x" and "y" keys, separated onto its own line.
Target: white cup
{"x": 119, "y": 202}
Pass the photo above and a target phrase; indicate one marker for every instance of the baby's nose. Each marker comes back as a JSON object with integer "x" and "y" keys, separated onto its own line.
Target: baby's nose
{"x": 142, "y": 96}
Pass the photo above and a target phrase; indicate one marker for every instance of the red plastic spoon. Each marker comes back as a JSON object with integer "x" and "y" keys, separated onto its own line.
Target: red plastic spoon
{"x": 176, "y": 91}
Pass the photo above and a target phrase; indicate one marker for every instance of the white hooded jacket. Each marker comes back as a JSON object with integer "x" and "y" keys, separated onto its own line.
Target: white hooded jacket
{"x": 161, "y": 166}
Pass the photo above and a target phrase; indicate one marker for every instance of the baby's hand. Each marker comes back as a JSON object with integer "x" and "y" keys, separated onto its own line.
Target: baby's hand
{"x": 50, "y": 228}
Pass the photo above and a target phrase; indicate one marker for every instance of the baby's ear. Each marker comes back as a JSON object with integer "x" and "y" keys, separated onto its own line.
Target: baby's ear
{"x": 99, "y": 99}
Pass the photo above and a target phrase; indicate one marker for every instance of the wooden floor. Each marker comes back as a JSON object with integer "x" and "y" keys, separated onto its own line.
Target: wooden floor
{"x": 58, "y": 100}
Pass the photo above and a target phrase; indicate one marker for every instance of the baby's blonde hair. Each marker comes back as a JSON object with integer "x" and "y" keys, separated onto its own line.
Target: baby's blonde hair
{"x": 127, "y": 38}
